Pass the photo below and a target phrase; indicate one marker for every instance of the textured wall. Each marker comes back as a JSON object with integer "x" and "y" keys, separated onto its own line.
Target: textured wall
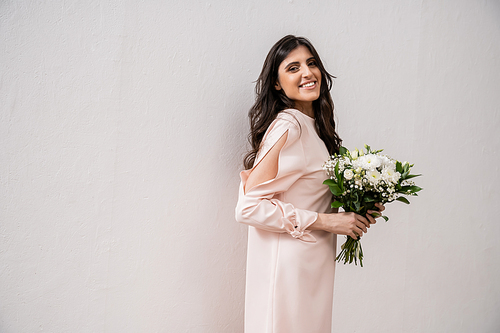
{"x": 123, "y": 123}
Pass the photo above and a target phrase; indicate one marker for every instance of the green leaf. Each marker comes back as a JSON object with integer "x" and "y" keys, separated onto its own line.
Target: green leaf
{"x": 343, "y": 150}
{"x": 403, "y": 199}
{"x": 399, "y": 167}
{"x": 406, "y": 169}
{"x": 412, "y": 189}
{"x": 330, "y": 182}
{"x": 337, "y": 204}
{"x": 375, "y": 215}
{"x": 412, "y": 176}
{"x": 369, "y": 197}
{"x": 335, "y": 189}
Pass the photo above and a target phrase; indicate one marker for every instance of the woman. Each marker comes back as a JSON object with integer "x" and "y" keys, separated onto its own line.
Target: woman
{"x": 292, "y": 233}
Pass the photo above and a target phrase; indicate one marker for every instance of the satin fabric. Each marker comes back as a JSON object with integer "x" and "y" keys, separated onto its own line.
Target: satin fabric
{"x": 290, "y": 270}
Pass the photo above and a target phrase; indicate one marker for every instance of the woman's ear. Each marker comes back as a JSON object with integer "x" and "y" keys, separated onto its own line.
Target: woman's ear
{"x": 277, "y": 86}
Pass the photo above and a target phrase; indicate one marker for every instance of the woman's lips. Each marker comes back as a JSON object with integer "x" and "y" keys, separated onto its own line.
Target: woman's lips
{"x": 308, "y": 85}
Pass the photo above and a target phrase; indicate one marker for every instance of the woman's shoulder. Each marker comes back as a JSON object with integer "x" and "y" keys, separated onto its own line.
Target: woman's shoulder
{"x": 295, "y": 116}
{"x": 287, "y": 121}
{"x": 289, "y": 117}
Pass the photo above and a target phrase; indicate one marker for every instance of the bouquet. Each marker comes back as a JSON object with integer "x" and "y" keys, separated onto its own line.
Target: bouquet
{"x": 358, "y": 179}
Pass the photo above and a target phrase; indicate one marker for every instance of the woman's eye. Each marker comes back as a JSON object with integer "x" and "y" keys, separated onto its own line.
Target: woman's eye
{"x": 293, "y": 69}
{"x": 312, "y": 63}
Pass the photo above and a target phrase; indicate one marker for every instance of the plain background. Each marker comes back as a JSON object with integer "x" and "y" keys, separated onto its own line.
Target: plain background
{"x": 122, "y": 129}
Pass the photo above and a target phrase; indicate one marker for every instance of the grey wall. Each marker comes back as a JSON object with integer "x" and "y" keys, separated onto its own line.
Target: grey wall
{"x": 123, "y": 124}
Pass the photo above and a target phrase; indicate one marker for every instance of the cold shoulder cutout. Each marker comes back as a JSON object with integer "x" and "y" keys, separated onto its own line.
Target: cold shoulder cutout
{"x": 267, "y": 167}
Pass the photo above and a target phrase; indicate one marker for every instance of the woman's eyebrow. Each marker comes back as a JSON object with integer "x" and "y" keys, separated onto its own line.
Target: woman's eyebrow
{"x": 292, "y": 63}
{"x": 298, "y": 63}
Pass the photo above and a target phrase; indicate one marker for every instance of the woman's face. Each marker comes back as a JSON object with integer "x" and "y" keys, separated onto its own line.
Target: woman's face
{"x": 300, "y": 78}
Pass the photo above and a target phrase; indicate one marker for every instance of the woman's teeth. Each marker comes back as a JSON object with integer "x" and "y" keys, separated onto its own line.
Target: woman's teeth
{"x": 310, "y": 84}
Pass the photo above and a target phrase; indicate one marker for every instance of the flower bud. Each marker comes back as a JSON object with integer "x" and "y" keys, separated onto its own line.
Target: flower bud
{"x": 355, "y": 154}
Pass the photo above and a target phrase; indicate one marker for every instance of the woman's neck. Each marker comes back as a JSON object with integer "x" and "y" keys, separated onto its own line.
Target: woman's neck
{"x": 305, "y": 108}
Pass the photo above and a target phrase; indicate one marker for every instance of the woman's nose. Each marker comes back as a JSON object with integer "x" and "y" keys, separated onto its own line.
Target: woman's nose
{"x": 306, "y": 72}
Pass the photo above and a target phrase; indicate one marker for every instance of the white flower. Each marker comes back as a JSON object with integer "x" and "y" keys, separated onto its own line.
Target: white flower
{"x": 387, "y": 162}
{"x": 396, "y": 177}
{"x": 348, "y": 174}
{"x": 373, "y": 176}
{"x": 358, "y": 164}
{"x": 390, "y": 175}
{"x": 367, "y": 162}
{"x": 373, "y": 161}
{"x": 329, "y": 167}
{"x": 384, "y": 160}
{"x": 408, "y": 183}
{"x": 355, "y": 154}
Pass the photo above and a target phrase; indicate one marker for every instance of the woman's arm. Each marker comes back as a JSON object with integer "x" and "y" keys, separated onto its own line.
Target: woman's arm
{"x": 281, "y": 162}
{"x": 258, "y": 207}
{"x": 349, "y": 224}
{"x": 267, "y": 168}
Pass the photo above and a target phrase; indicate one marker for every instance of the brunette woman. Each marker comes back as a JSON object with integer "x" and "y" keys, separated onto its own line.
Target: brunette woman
{"x": 292, "y": 229}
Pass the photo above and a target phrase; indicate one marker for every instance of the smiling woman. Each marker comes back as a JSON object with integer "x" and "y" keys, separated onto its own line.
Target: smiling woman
{"x": 300, "y": 79}
{"x": 292, "y": 229}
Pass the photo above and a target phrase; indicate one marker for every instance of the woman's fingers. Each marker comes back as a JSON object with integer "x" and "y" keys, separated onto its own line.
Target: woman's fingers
{"x": 356, "y": 233}
{"x": 380, "y": 207}
{"x": 371, "y": 217}
{"x": 358, "y": 224}
{"x": 352, "y": 224}
{"x": 373, "y": 214}
{"x": 365, "y": 222}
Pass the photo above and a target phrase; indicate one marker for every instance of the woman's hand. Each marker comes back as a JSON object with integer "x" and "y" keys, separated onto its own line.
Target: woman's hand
{"x": 349, "y": 224}
{"x": 377, "y": 213}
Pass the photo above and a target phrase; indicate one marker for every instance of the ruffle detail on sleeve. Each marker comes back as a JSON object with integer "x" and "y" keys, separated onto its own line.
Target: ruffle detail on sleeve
{"x": 296, "y": 232}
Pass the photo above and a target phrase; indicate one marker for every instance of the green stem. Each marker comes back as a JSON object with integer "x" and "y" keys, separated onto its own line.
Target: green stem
{"x": 351, "y": 249}
{"x": 351, "y": 252}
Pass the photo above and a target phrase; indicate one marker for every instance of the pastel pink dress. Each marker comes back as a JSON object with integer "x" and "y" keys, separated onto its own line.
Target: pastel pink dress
{"x": 290, "y": 270}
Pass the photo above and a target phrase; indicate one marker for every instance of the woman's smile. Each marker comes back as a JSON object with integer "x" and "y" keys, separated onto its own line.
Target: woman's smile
{"x": 308, "y": 85}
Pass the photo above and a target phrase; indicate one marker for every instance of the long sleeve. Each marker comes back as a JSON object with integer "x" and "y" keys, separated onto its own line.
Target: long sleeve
{"x": 260, "y": 206}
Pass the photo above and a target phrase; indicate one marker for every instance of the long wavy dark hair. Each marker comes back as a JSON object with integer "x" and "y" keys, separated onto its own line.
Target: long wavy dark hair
{"x": 269, "y": 101}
